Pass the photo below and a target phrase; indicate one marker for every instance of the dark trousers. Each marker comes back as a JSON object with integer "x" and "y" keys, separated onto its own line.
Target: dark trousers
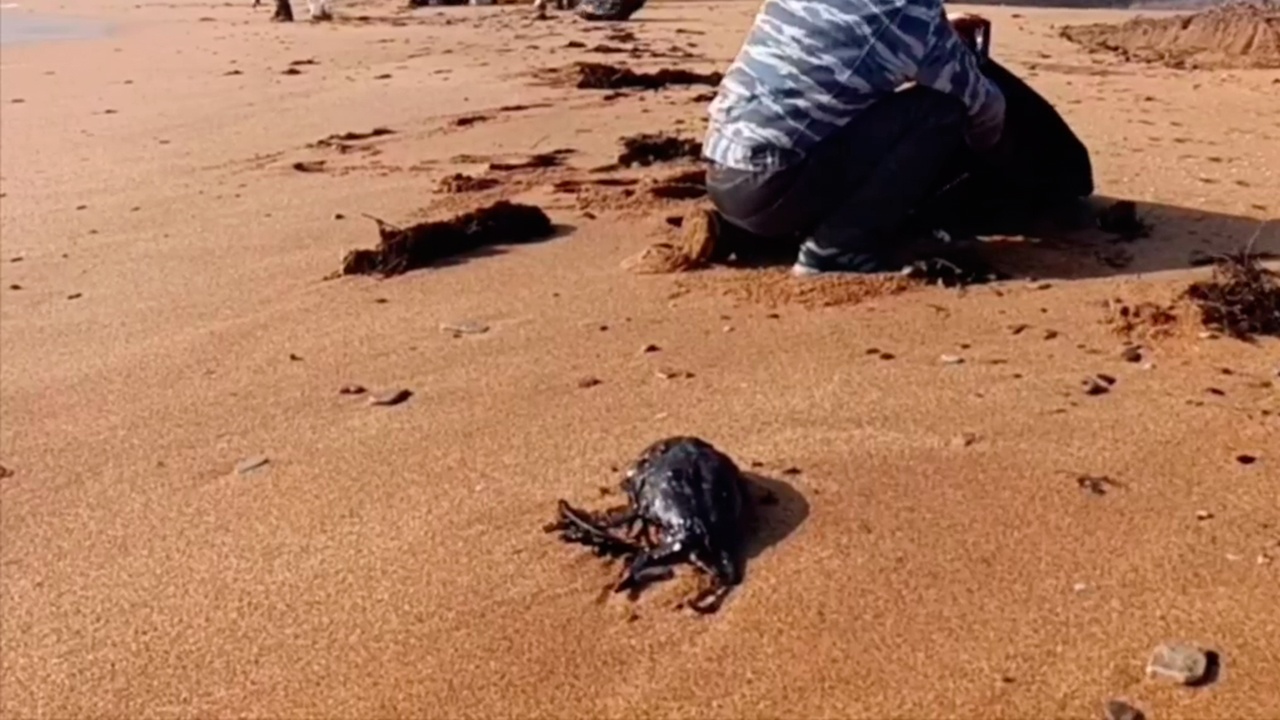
{"x": 854, "y": 190}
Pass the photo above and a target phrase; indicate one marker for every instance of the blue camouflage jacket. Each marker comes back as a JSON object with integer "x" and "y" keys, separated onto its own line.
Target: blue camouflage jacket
{"x": 808, "y": 67}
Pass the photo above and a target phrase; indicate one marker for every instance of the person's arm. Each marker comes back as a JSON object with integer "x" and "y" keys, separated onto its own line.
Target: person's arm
{"x": 949, "y": 66}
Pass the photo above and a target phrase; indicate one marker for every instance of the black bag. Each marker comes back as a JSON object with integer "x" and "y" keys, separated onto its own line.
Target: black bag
{"x": 1038, "y": 163}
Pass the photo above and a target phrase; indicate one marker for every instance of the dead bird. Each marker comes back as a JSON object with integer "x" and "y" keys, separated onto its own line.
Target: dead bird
{"x": 685, "y": 503}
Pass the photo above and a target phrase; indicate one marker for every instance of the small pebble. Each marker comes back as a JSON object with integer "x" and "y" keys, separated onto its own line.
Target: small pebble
{"x": 75, "y": 296}
{"x": 1050, "y": 334}
{"x": 1121, "y": 710}
{"x": 1079, "y": 587}
{"x": 1109, "y": 380}
{"x": 649, "y": 349}
{"x": 1246, "y": 459}
{"x": 964, "y": 440}
{"x": 670, "y": 374}
{"x": 250, "y": 464}
{"x": 951, "y": 359}
{"x": 589, "y": 382}
{"x": 1182, "y": 664}
{"x": 1131, "y": 354}
{"x": 887, "y": 356}
{"x": 390, "y": 397}
{"x": 464, "y": 328}
{"x": 339, "y": 216}
{"x": 351, "y": 389}
{"x": 1204, "y": 515}
{"x": 295, "y": 357}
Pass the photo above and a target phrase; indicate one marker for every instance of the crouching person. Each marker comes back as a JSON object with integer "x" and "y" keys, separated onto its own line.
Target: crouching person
{"x": 837, "y": 119}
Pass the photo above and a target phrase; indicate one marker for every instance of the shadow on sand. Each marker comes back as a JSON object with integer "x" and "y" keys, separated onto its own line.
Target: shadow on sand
{"x": 1069, "y": 244}
{"x": 777, "y": 509}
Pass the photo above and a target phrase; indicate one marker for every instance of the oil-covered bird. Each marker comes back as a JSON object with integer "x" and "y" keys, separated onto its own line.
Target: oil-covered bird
{"x": 685, "y": 503}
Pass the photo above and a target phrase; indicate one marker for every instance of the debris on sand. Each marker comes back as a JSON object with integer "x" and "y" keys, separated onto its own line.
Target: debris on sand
{"x": 338, "y": 139}
{"x": 249, "y": 464}
{"x": 1237, "y": 35}
{"x": 1143, "y": 318}
{"x": 648, "y": 148}
{"x": 1121, "y": 710}
{"x": 469, "y": 120}
{"x": 1096, "y": 484}
{"x": 1242, "y": 299}
{"x": 953, "y": 268}
{"x": 402, "y": 249}
{"x": 694, "y": 496}
{"x": 554, "y": 158}
{"x": 462, "y": 183}
{"x": 1096, "y": 385}
{"x": 390, "y": 397}
{"x": 602, "y": 76}
{"x": 309, "y": 166}
{"x": 1121, "y": 218}
{"x": 1181, "y": 663}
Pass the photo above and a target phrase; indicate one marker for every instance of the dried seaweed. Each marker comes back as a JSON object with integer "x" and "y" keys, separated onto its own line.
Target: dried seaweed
{"x": 602, "y": 76}
{"x": 1242, "y": 299}
{"x": 403, "y": 249}
{"x": 649, "y": 148}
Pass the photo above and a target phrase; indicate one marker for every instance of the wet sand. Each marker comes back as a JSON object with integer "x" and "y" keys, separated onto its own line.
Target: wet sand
{"x": 934, "y": 557}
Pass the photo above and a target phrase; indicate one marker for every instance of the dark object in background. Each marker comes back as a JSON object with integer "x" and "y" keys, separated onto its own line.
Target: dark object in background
{"x": 608, "y": 10}
{"x": 1039, "y": 163}
{"x": 283, "y": 13}
{"x": 402, "y": 249}
{"x": 692, "y": 497}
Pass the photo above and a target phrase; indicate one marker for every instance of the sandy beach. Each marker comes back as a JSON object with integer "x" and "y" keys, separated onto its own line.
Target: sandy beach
{"x": 165, "y": 316}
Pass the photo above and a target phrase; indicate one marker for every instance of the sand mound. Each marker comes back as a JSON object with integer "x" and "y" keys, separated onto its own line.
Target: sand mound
{"x": 776, "y": 288}
{"x": 693, "y": 249}
{"x": 1239, "y": 35}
